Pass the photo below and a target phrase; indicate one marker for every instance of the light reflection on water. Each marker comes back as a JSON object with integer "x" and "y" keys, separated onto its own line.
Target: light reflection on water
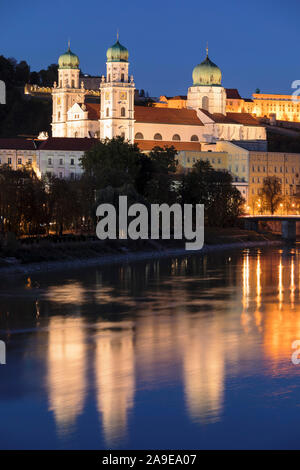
{"x": 111, "y": 356}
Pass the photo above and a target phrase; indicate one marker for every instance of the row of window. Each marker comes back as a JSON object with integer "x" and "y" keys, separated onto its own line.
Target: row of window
{"x": 290, "y": 192}
{"x": 19, "y": 161}
{"x": 61, "y": 175}
{"x": 61, "y": 161}
{"x": 264, "y": 169}
{"x": 260, "y": 180}
{"x": 123, "y": 112}
{"x": 157, "y": 136}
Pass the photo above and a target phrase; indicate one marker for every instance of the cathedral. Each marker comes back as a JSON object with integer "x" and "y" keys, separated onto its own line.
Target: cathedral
{"x": 203, "y": 120}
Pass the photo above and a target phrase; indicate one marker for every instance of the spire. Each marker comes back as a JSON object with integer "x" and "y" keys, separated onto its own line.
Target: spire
{"x": 69, "y": 45}
{"x": 117, "y": 35}
{"x": 207, "y": 49}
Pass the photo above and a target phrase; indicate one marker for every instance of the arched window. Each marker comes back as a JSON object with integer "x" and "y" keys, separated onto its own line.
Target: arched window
{"x": 205, "y": 103}
{"x": 157, "y": 137}
{"x": 58, "y": 115}
{"x": 107, "y": 112}
{"x": 176, "y": 137}
{"x": 73, "y": 83}
{"x": 122, "y": 112}
{"x": 75, "y": 134}
{"x": 108, "y": 79}
{"x": 122, "y": 77}
{"x": 139, "y": 136}
{"x": 194, "y": 138}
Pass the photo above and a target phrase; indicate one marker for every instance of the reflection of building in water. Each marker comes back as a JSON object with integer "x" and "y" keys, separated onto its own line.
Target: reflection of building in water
{"x": 69, "y": 293}
{"x": 203, "y": 355}
{"x": 272, "y": 308}
{"x": 66, "y": 370}
{"x": 115, "y": 377}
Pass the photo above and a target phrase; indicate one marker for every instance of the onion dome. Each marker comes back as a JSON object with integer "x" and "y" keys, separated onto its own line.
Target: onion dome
{"x": 117, "y": 53}
{"x": 68, "y": 60}
{"x": 207, "y": 73}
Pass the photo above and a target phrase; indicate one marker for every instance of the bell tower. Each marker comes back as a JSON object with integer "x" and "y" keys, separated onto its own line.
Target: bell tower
{"x": 66, "y": 92}
{"x": 207, "y": 92}
{"x": 117, "y": 96}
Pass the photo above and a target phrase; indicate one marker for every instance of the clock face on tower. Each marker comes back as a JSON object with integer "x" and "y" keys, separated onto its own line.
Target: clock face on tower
{"x": 107, "y": 95}
{"x": 123, "y": 95}
{"x": 58, "y": 101}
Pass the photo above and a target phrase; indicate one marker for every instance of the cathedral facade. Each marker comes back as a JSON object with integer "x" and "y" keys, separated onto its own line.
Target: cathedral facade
{"x": 203, "y": 120}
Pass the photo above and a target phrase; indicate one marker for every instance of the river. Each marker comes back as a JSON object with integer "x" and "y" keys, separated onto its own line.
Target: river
{"x": 181, "y": 353}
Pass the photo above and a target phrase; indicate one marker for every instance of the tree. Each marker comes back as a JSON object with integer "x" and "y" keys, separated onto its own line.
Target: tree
{"x": 204, "y": 185}
{"x": 160, "y": 187}
{"x": 113, "y": 163}
{"x": 22, "y": 201}
{"x": 271, "y": 191}
{"x": 64, "y": 208}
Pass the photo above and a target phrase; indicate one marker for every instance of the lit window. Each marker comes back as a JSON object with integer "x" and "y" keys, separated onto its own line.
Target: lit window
{"x": 157, "y": 137}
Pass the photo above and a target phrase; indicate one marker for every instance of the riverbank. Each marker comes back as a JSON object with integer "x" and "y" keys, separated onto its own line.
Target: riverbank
{"x": 50, "y": 256}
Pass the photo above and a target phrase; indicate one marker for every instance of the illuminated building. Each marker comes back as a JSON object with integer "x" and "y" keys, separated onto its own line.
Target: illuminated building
{"x": 203, "y": 118}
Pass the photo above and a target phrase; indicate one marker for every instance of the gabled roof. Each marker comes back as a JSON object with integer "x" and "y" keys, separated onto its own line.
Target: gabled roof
{"x": 17, "y": 144}
{"x": 232, "y": 94}
{"x": 233, "y": 118}
{"x": 150, "y": 144}
{"x": 67, "y": 143}
{"x": 178, "y": 97}
{"x": 166, "y": 116}
{"x": 93, "y": 110}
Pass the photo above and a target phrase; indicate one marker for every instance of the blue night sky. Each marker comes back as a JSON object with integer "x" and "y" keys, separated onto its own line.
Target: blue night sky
{"x": 255, "y": 43}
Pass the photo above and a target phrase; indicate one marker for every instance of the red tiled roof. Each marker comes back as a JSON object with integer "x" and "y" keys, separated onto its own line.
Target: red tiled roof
{"x": 17, "y": 144}
{"x": 93, "y": 110}
{"x": 243, "y": 118}
{"x": 233, "y": 118}
{"x": 166, "y": 116}
{"x": 67, "y": 143}
{"x": 232, "y": 94}
{"x": 149, "y": 144}
{"x": 178, "y": 97}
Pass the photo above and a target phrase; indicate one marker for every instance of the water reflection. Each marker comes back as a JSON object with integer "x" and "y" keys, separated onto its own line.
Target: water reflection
{"x": 66, "y": 365}
{"x": 197, "y": 322}
{"x": 115, "y": 378}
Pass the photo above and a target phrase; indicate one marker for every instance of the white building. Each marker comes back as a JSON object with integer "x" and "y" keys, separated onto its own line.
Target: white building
{"x": 203, "y": 120}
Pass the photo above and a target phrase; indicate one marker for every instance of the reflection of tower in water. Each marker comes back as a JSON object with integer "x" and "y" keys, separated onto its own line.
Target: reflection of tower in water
{"x": 66, "y": 370}
{"x": 115, "y": 378}
{"x": 203, "y": 367}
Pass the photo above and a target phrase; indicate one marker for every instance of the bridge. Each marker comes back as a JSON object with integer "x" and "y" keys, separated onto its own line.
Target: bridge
{"x": 288, "y": 223}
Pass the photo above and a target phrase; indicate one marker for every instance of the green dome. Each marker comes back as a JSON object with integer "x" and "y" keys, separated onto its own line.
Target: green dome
{"x": 117, "y": 53}
{"x": 68, "y": 60}
{"x": 207, "y": 73}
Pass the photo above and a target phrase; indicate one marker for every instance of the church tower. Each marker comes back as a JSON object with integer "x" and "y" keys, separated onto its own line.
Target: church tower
{"x": 66, "y": 92}
{"x": 117, "y": 96}
{"x": 207, "y": 92}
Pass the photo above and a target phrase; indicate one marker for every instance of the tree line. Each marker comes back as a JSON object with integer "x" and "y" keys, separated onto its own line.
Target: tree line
{"x": 22, "y": 115}
{"x": 29, "y": 205}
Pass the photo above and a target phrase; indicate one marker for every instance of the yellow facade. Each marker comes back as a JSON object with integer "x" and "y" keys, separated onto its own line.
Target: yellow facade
{"x": 177, "y": 102}
{"x": 285, "y": 166}
{"x": 284, "y": 107}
